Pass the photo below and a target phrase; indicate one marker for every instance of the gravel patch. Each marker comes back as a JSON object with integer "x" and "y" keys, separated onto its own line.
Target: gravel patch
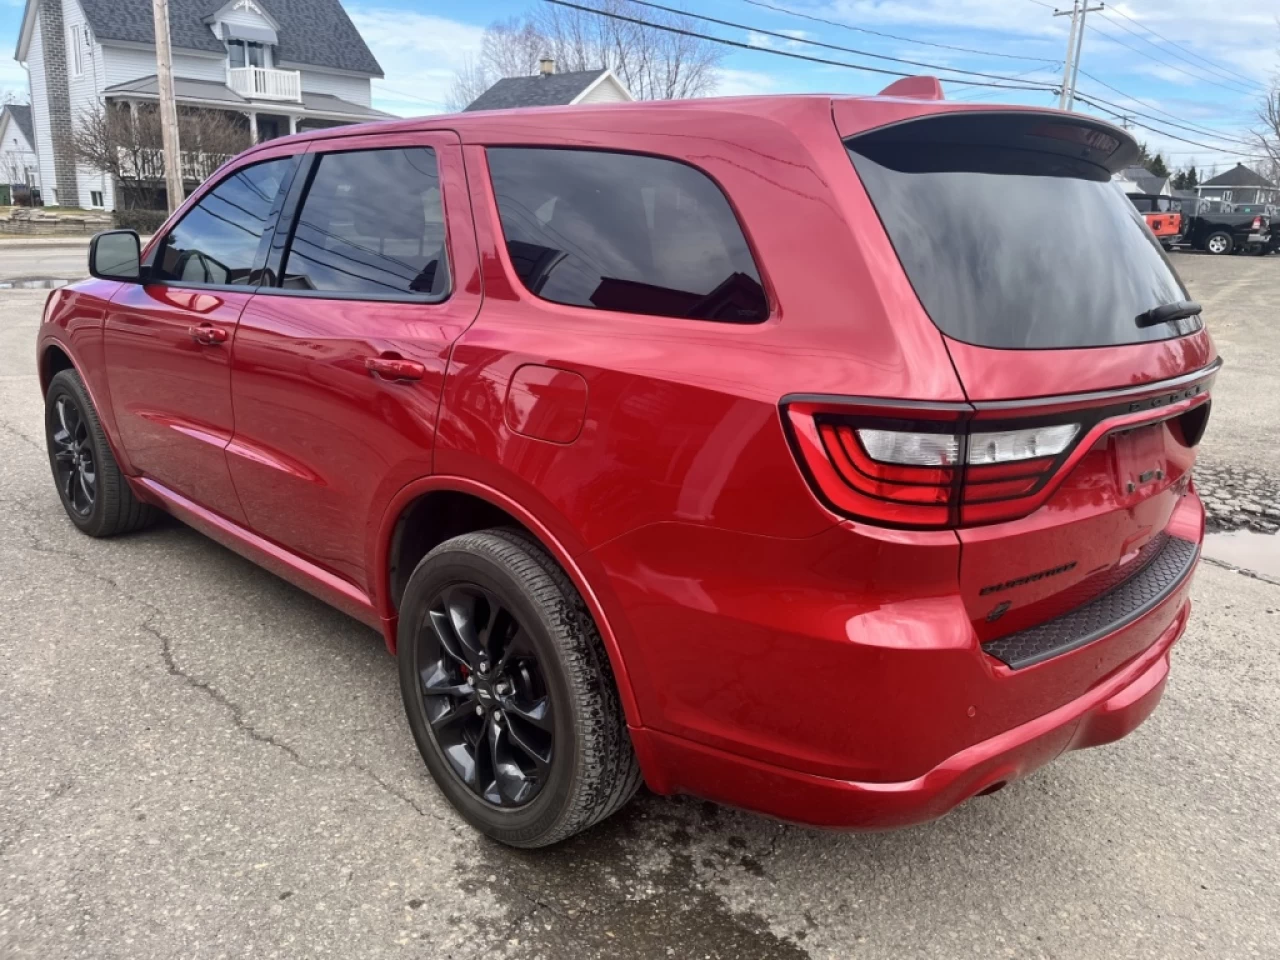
{"x": 1237, "y": 498}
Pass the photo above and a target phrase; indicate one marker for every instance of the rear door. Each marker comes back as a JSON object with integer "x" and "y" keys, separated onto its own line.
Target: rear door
{"x": 1050, "y": 293}
{"x": 168, "y": 342}
{"x": 340, "y": 358}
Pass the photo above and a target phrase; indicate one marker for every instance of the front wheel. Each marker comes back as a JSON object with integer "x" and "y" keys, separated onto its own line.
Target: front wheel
{"x": 1219, "y": 243}
{"x": 91, "y": 486}
{"x": 509, "y": 692}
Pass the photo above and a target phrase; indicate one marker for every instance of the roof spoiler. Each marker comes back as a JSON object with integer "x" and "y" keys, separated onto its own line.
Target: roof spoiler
{"x": 914, "y": 88}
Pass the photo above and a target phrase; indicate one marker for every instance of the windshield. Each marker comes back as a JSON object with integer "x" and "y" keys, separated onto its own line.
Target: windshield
{"x": 1010, "y": 247}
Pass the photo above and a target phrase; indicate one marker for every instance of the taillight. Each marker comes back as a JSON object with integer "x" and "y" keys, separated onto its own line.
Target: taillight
{"x": 1257, "y": 225}
{"x": 925, "y": 473}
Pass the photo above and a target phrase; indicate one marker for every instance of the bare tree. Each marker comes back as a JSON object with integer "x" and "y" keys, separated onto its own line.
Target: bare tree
{"x": 472, "y": 79}
{"x": 654, "y": 64}
{"x": 1267, "y": 134}
{"x": 127, "y": 147}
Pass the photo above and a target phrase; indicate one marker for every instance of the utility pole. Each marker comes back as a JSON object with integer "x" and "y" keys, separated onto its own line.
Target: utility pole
{"x": 168, "y": 106}
{"x": 1075, "y": 43}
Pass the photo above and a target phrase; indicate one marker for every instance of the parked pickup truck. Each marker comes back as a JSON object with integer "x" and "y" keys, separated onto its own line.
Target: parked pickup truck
{"x": 1165, "y": 221}
{"x": 1221, "y": 233}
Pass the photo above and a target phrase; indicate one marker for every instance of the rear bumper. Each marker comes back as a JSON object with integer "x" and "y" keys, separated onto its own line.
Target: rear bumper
{"x": 1112, "y": 710}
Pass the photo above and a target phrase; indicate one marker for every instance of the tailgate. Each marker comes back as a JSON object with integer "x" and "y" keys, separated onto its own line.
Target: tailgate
{"x": 1085, "y": 361}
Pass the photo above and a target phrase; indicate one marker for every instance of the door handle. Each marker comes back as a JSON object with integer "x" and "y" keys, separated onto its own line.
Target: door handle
{"x": 207, "y": 334}
{"x": 394, "y": 368}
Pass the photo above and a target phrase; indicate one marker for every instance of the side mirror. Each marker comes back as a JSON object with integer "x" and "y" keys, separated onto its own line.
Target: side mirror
{"x": 116, "y": 255}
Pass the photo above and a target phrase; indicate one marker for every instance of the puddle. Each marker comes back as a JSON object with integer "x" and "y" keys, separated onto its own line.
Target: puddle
{"x": 33, "y": 283}
{"x": 1258, "y": 552}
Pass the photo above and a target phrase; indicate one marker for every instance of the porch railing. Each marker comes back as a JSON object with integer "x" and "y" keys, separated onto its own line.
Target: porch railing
{"x": 148, "y": 165}
{"x": 260, "y": 83}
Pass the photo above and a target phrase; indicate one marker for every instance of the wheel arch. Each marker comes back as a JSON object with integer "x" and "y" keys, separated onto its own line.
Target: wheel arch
{"x": 53, "y": 355}
{"x": 410, "y": 515}
{"x": 53, "y": 359}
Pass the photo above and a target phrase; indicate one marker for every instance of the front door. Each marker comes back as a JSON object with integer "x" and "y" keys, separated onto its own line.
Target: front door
{"x": 339, "y": 364}
{"x": 168, "y": 342}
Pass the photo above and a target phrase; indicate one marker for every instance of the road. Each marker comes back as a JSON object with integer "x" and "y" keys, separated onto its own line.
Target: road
{"x": 61, "y": 258}
{"x": 197, "y": 760}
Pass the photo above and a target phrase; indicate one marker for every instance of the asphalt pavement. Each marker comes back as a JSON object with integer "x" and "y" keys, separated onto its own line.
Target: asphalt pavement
{"x": 64, "y": 258}
{"x": 198, "y": 760}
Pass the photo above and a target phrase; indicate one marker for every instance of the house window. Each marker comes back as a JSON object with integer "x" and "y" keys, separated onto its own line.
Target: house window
{"x": 77, "y": 42}
{"x": 95, "y": 198}
{"x": 246, "y": 53}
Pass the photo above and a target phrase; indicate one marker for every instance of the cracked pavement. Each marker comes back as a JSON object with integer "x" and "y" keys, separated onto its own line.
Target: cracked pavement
{"x": 198, "y": 760}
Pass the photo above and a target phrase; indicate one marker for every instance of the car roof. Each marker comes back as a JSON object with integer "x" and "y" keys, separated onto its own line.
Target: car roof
{"x": 867, "y": 112}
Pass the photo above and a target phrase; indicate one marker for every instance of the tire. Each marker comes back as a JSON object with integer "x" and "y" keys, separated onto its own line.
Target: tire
{"x": 1219, "y": 243}
{"x": 90, "y": 485}
{"x": 497, "y": 594}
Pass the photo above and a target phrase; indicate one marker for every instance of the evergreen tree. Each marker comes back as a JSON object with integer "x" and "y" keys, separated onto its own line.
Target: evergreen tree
{"x": 1157, "y": 166}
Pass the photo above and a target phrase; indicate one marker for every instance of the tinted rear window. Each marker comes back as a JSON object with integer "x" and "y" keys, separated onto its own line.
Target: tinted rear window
{"x": 1010, "y": 246}
{"x": 622, "y": 232}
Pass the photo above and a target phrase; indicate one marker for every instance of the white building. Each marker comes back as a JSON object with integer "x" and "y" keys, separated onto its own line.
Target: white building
{"x": 18, "y": 164}
{"x": 285, "y": 65}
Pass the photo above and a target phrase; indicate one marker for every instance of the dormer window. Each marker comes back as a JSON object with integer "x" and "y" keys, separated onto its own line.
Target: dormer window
{"x": 248, "y": 53}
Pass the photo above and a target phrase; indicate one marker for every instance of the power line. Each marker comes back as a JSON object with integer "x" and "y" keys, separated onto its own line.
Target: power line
{"x": 894, "y": 36}
{"x": 1213, "y": 68}
{"x": 1087, "y": 98}
{"x": 790, "y": 54}
{"x": 813, "y": 43}
{"x": 1017, "y": 76}
{"x": 1163, "y": 63}
{"x": 1097, "y": 102}
{"x": 412, "y": 96}
{"x": 1190, "y": 128}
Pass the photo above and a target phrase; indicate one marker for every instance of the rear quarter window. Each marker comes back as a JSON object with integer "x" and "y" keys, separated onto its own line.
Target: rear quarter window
{"x": 623, "y": 232}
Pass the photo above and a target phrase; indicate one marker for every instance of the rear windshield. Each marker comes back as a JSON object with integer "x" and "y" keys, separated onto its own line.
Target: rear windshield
{"x": 1007, "y": 246}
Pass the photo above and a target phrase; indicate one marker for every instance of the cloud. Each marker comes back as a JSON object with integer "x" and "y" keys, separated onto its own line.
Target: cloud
{"x": 744, "y": 83}
{"x": 419, "y": 53}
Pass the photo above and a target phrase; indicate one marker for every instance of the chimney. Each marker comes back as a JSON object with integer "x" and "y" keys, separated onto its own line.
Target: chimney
{"x": 546, "y": 66}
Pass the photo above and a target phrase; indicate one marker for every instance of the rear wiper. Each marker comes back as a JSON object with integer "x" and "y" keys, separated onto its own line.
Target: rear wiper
{"x": 1168, "y": 312}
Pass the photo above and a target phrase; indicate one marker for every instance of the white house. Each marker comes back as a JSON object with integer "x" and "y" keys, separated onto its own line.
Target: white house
{"x": 548, "y": 89}
{"x": 1141, "y": 180}
{"x": 285, "y": 65}
{"x": 18, "y": 165}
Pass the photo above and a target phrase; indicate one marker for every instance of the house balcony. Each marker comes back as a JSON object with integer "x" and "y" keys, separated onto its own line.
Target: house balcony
{"x": 260, "y": 83}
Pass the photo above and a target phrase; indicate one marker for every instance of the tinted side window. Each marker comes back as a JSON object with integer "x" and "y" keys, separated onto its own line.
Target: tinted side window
{"x": 217, "y": 240}
{"x": 372, "y": 223}
{"x": 622, "y": 232}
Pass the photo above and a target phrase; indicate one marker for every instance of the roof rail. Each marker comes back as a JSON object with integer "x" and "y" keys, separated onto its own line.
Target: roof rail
{"x": 914, "y": 88}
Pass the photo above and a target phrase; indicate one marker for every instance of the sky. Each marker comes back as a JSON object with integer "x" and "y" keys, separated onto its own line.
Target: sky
{"x": 1188, "y": 63}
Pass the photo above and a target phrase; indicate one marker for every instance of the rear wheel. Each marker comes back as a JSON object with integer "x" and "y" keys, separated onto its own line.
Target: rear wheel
{"x": 509, "y": 692}
{"x": 1218, "y": 243}
{"x": 90, "y": 484}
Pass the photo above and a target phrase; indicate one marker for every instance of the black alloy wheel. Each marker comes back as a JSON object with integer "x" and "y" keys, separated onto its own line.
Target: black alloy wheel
{"x": 93, "y": 490}
{"x": 71, "y": 446}
{"x": 509, "y": 691}
{"x": 485, "y": 695}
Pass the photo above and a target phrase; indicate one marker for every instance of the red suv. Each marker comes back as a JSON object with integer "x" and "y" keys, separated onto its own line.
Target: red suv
{"x": 828, "y": 457}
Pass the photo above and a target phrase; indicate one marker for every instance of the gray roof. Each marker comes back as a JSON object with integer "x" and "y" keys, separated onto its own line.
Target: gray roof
{"x": 21, "y": 113}
{"x": 1238, "y": 176}
{"x": 312, "y": 32}
{"x": 551, "y": 90}
{"x": 210, "y": 90}
{"x": 1147, "y": 181}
